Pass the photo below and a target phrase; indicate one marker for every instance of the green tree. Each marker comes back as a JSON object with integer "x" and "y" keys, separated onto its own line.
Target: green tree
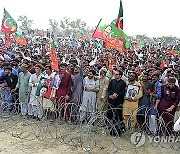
{"x": 65, "y": 23}
{"x": 26, "y": 23}
{"x": 54, "y": 26}
{"x": 78, "y": 25}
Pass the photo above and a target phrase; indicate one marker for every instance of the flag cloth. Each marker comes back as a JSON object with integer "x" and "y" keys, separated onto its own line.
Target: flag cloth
{"x": 119, "y": 33}
{"x": 8, "y": 40}
{"x": 136, "y": 47}
{"x": 114, "y": 43}
{"x": 99, "y": 33}
{"x": 20, "y": 39}
{"x": 162, "y": 65}
{"x": 119, "y": 21}
{"x": 9, "y": 25}
{"x": 113, "y": 36}
{"x": 172, "y": 52}
{"x": 53, "y": 57}
{"x": 177, "y": 51}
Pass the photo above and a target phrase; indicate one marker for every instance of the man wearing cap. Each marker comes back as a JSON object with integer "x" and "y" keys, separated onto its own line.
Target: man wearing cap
{"x": 24, "y": 88}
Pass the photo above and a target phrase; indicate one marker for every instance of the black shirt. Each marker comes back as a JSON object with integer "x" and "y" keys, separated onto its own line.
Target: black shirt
{"x": 10, "y": 80}
{"x": 117, "y": 87}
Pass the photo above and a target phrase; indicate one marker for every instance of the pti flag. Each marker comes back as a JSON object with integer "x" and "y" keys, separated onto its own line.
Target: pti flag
{"x": 9, "y": 25}
{"x": 53, "y": 57}
{"x": 119, "y": 21}
{"x": 112, "y": 35}
{"x": 19, "y": 39}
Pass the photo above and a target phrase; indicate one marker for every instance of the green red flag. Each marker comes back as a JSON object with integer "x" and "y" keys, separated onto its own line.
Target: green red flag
{"x": 53, "y": 57}
{"x": 113, "y": 36}
{"x": 177, "y": 51}
{"x": 20, "y": 39}
{"x": 9, "y": 25}
{"x": 119, "y": 21}
{"x": 173, "y": 52}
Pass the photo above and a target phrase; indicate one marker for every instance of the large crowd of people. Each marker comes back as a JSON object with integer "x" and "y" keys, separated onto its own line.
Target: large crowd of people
{"x": 132, "y": 85}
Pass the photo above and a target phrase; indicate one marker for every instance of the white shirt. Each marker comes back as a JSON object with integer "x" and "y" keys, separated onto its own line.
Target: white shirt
{"x": 177, "y": 125}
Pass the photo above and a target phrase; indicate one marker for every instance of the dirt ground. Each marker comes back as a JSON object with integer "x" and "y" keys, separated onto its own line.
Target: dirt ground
{"x": 22, "y": 136}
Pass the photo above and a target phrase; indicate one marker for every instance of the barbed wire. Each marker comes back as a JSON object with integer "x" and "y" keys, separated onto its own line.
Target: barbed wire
{"x": 94, "y": 134}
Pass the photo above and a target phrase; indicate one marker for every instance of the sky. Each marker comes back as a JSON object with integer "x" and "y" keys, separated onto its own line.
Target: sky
{"x": 150, "y": 17}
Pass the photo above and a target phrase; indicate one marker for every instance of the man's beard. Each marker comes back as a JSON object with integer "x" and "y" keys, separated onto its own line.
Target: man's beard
{"x": 131, "y": 79}
{"x": 102, "y": 75}
{"x": 76, "y": 73}
{"x": 90, "y": 77}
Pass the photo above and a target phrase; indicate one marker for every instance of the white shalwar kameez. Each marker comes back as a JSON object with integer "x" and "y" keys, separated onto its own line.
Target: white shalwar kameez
{"x": 89, "y": 98}
{"x": 33, "y": 103}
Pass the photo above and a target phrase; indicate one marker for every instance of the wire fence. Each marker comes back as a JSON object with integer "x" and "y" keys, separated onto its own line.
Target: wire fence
{"x": 62, "y": 123}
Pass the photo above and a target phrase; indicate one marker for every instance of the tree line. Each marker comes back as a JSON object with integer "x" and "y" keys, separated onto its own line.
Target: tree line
{"x": 65, "y": 27}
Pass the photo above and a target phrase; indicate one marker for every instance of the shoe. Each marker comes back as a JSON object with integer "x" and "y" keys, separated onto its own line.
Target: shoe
{"x": 24, "y": 117}
{"x": 34, "y": 117}
{"x": 51, "y": 121}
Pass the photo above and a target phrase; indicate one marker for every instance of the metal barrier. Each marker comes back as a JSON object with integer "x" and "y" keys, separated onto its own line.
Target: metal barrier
{"x": 93, "y": 134}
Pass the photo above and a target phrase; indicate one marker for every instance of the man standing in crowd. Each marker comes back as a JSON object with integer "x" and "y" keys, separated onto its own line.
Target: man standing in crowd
{"x": 91, "y": 87}
{"x": 64, "y": 85}
{"x": 24, "y": 89}
{"x": 168, "y": 103}
{"x": 48, "y": 77}
{"x": 10, "y": 83}
{"x": 34, "y": 81}
{"x": 144, "y": 101}
{"x": 77, "y": 90}
{"x": 102, "y": 95}
{"x": 128, "y": 61}
{"x": 130, "y": 106}
{"x": 116, "y": 91}
{"x": 155, "y": 97}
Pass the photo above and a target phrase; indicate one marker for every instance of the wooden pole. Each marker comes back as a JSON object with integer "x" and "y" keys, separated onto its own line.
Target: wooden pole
{"x": 97, "y": 26}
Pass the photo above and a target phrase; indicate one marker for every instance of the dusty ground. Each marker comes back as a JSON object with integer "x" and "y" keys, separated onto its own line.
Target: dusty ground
{"x": 29, "y": 137}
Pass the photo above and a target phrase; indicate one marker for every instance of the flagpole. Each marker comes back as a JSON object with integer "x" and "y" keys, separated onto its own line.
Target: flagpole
{"x": 97, "y": 26}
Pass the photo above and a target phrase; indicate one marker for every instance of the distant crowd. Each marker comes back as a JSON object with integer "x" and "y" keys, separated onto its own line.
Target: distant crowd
{"x": 138, "y": 83}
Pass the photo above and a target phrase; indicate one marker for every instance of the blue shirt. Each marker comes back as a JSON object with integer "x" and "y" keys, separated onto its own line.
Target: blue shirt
{"x": 2, "y": 73}
{"x": 16, "y": 71}
{"x": 158, "y": 87}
